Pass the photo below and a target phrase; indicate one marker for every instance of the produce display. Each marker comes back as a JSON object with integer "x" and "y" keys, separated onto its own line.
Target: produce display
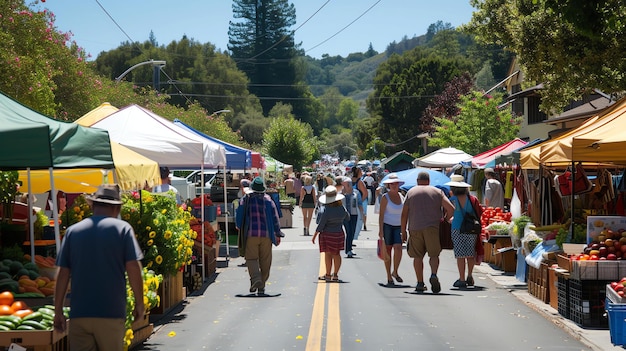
{"x": 17, "y": 315}
{"x": 494, "y": 214}
{"x": 618, "y": 287}
{"x": 607, "y": 245}
{"x": 24, "y": 279}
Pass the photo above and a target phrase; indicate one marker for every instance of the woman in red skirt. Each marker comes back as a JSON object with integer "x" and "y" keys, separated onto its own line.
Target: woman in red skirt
{"x": 330, "y": 230}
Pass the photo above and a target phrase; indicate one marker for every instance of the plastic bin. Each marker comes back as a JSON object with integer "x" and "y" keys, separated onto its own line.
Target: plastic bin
{"x": 617, "y": 322}
{"x": 210, "y": 213}
{"x": 587, "y": 303}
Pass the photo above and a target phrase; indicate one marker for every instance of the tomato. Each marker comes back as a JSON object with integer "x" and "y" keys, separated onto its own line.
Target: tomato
{"x": 6, "y": 298}
{"x": 5, "y": 310}
{"x": 19, "y": 305}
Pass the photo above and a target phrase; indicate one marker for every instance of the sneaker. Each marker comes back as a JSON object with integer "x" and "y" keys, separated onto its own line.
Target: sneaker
{"x": 304, "y": 231}
{"x": 420, "y": 287}
{"x": 255, "y": 286}
{"x": 434, "y": 284}
{"x": 459, "y": 284}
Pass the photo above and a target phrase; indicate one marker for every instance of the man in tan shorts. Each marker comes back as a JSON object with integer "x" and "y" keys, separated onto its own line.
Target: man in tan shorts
{"x": 423, "y": 211}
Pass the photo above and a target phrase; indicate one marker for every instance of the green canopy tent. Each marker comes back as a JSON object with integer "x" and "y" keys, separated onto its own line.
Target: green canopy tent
{"x": 30, "y": 140}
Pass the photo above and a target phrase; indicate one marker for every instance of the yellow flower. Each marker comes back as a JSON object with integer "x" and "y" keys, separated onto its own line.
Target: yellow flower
{"x": 150, "y": 242}
{"x": 167, "y": 235}
{"x": 158, "y": 259}
{"x": 149, "y": 264}
{"x": 164, "y": 211}
{"x": 76, "y": 209}
{"x": 148, "y": 228}
{"x": 156, "y": 221}
{"x": 152, "y": 234}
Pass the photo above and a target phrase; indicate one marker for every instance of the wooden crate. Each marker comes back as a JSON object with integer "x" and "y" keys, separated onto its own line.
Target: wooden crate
{"x": 171, "y": 292}
{"x": 141, "y": 335}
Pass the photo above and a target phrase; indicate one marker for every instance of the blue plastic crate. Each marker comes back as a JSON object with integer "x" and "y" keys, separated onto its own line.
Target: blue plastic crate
{"x": 617, "y": 322}
{"x": 210, "y": 213}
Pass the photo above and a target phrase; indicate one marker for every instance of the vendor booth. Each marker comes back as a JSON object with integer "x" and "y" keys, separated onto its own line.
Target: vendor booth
{"x": 442, "y": 158}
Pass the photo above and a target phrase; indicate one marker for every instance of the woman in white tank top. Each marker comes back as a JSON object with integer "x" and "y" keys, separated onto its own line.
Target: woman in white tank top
{"x": 389, "y": 226}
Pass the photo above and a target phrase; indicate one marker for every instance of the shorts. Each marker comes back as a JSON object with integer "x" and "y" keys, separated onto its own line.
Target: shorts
{"x": 424, "y": 241}
{"x": 392, "y": 234}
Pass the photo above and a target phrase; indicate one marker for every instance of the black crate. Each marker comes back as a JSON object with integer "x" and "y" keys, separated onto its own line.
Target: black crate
{"x": 563, "y": 294}
{"x": 586, "y": 300}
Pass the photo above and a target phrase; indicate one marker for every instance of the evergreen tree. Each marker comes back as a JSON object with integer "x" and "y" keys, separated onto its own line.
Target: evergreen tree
{"x": 262, "y": 44}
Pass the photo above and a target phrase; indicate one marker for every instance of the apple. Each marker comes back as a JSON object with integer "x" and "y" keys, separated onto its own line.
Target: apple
{"x": 595, "y": 246}
{"x": 619, "y": 287}
{"x": 621, "y": 293}
{"x": 594, "y": 257}
{"x": 613, "y": 285}
{"x": 603, "y": 251}
{"x": 611, "y": 257}
{"x": 623, "y": 248}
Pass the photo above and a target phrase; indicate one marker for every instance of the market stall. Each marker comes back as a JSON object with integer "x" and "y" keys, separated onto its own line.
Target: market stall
{"x": 442, "y": 158}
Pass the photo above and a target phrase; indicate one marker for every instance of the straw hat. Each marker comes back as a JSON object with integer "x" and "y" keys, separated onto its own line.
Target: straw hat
{"x": 457, "y": 181}
{"x": 330, "y": 195}
{"x": 393, "y": 178}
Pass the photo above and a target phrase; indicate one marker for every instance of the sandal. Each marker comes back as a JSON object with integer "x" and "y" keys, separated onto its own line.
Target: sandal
{"x": 325, "y": 277}
{"x": 397, "y": 278}
{"x": 390, "y": 282}
{"x": 334, "y": 277}
{"x": 470, "y": 280}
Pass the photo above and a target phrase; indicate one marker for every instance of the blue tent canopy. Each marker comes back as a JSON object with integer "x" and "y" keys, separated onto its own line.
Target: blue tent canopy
{"x": 236, "y": 157}
{"x": 409, "y": 176}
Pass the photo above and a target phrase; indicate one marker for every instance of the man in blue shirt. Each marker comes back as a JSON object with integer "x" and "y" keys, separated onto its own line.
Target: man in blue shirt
{"x": 259, "y": 227}
{"x": 95, "y": 254}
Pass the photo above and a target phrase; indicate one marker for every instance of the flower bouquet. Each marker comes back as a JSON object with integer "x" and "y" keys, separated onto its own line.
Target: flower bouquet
{"x": 151, "y": 299}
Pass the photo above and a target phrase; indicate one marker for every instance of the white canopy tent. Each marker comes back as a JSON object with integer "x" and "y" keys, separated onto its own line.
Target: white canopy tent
{"x": 442, "y": 158}
{"x": 159, "y": 139}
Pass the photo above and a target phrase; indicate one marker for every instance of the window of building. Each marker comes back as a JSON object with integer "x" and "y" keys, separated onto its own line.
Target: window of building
{"x": 534, "y": 114}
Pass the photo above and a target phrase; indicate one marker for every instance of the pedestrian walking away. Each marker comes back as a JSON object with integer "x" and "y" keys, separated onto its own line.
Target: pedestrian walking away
{"x": 421, "y": 214}
{"x": 389, "y": 221}
{"x": 259, "y": 228}
{"x": 494, "y": 192}
{"x": 98, "y": 315}
{"x": 308, "y": 202}
{"x": 464, "y": 244}
{"x": 354, "y": 206}
{"x": 330, "y": 232}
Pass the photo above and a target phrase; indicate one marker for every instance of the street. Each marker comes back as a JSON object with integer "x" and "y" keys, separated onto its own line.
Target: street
{"x": 356, "y": 314}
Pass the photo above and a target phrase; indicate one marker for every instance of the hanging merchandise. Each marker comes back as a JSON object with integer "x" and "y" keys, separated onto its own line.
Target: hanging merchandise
{"x": 508, "y": 185}
{"x": 516, "y": 206}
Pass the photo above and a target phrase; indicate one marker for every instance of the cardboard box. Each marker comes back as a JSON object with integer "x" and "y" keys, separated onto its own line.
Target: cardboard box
{"x": 37, "y": 340}
{"x": 596, "y": 224}
{"x": 564, "y": 262}
{"x": 553, "y": 289}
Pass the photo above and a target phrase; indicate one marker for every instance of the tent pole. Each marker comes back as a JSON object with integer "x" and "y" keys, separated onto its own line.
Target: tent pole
{"x": 202, "y": 217}
{"x": 30, "y": 217}
{"x": 55, "y": 212}
{"x": 226, "y": 216}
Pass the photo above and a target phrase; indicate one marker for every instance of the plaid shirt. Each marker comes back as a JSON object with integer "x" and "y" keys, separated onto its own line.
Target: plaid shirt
{"x": 258, "y": 222}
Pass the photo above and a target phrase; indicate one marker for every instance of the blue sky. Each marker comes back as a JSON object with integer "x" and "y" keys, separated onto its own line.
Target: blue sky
{"x": 93, "y": 22}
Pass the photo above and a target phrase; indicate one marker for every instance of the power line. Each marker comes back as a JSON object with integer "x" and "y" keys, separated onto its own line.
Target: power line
{"x": 292, "y": 33}
{"x": 114, "y": 21}
{"x": 344, "y": 28}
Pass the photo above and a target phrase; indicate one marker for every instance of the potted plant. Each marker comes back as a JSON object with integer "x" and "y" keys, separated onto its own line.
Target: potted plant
{"x": 10, "y": 233}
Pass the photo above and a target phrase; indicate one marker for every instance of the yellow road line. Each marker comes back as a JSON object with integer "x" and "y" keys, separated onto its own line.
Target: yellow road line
{"x": 333, "y": 321}
{"x": 314, "y": 340}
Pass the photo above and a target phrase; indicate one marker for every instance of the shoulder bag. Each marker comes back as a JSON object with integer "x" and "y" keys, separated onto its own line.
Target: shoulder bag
{"x": 470, "y": 224}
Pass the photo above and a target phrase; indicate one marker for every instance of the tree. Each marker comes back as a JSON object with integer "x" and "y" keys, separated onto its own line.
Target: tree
{"x": 572, "y": 46}
{"x": 263, "y": 46}
{"x": 289, "y": 140}
{"x": 404, "y": 86}
{"x": 446, "y": 103}
{"x": 478, "y": 127}
{"x": 41, "y": 67}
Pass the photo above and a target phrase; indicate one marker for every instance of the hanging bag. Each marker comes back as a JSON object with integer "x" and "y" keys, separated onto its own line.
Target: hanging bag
{"x": 582, "y": 184}
{"x": 470, "y": 224}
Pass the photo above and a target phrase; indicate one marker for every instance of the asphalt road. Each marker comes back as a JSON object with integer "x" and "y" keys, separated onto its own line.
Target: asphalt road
{"x": 356, "y": 314}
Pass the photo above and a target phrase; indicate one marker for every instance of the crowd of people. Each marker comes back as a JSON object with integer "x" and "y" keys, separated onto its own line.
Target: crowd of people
{"x": 339, "y": 205}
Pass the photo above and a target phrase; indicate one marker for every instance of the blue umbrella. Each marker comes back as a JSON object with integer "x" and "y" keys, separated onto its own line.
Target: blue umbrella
{"x": 409, "y": 176}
